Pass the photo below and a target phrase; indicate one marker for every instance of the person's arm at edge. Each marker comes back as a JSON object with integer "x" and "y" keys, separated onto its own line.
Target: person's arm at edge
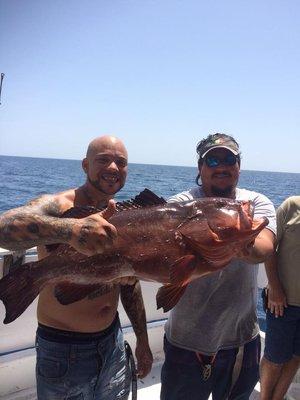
{"x": 262, "y": 247}
{"x": 39, "y": 222}
{"x": 276, "y": 296}
{"x": 132, "y": 300}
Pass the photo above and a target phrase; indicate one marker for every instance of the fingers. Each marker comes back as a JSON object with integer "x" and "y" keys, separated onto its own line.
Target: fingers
{"x": 144, "y": 359}
{"x": 276, "y": 309}
{"x": 144, "y": 367}
{"x": 280, "y": 311}
{"x": 143, "y": 370}
{"x": 106, "y": 214}
{"x": 109, "y": 211}
{"x": 110, "y": 231}
{"x": 277, "y": 300}
{"x": 93, "y": 234}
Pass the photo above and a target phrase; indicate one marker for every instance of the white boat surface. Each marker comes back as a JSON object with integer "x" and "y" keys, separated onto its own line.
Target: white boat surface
{"x": 17, "y": 352}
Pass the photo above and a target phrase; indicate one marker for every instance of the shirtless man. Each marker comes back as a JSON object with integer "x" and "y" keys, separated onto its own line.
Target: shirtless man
{"x": 80, "y": 347}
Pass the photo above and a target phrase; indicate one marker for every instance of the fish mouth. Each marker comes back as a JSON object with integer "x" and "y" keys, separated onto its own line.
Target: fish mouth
{"x": 249, "y": 206}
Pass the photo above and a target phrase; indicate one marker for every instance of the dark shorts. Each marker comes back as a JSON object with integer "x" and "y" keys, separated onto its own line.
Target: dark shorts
{"x": 283, "y": 335}
{"x": 182, "y": 374}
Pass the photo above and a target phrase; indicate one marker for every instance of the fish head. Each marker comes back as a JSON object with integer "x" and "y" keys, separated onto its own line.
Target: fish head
{"x": 219, "y": 230}
{"x": 220, "y": 219}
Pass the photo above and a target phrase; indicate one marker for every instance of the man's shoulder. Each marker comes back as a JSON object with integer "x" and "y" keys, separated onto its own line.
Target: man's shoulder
{"x": 65, "y": 199}
{"x": 52, "y": 204}
{"x": 288, "y": 208}
{"x": 255, "y": 197}
{"x": 292, "y": 201}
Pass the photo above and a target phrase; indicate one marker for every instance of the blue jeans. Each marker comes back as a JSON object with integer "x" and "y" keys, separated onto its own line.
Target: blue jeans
{"x": 182, "y": 374}
{"x": 83, "y": 369}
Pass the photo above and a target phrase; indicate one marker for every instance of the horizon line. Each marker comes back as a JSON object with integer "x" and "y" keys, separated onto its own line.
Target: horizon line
{"x": 138, "y": 163}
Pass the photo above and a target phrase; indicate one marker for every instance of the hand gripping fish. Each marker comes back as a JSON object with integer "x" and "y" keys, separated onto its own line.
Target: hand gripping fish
{"x": 170, "y": 243}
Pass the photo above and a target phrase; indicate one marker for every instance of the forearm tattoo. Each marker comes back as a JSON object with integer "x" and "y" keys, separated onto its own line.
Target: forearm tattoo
{"x": 85, "y": 230}
{"x": 132, "y": 300}
{"x": 82, "y": 238}
{"x": 34, "y": 224}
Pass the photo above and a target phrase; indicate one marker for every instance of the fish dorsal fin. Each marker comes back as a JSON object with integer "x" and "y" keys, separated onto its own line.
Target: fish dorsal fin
{"x": 144, "y": 199}
{"x": 148, "y": 198}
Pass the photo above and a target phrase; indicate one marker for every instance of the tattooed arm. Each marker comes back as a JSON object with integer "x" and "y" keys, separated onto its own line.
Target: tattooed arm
{"x": 39, "y": 223}
{"x": 35, "y": 223}
{"x": 132, "y": 300}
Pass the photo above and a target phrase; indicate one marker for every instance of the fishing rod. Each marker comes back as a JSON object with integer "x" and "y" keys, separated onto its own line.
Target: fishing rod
{"x": 1, "y": 80}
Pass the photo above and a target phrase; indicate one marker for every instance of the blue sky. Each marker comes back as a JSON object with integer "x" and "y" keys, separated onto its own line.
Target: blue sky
{"x": 161, "y": 75}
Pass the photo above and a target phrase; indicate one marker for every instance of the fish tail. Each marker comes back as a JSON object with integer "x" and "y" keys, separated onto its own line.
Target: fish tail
{"x": 17, "y": 291}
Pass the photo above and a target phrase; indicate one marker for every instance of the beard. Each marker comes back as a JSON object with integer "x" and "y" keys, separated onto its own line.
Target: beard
{"x": 226, "y": 192}
{"x": 97, "y": 185}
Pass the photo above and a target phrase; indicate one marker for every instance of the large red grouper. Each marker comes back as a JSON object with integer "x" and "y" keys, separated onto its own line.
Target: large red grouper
{"x": 170, "y": 243}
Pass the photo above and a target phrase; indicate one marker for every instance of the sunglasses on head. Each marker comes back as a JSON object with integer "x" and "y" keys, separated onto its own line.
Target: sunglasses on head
{"x": 213, "y": 161}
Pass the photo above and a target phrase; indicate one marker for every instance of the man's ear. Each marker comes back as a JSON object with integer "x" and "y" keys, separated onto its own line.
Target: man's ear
{"x": 85, "y": 165}
{"x": 200, "y": 165}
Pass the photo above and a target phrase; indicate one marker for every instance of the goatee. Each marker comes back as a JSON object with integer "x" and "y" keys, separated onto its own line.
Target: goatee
{"x": 98, "y": 187}
{"x": 226, "y": 192}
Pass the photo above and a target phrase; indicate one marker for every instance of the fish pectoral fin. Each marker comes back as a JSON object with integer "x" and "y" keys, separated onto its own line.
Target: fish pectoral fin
{"x": 182, "y": 270}
{"x": 168, "y": 296}
{"x": 67, "y": 293}
{"x": 191, "y": 244}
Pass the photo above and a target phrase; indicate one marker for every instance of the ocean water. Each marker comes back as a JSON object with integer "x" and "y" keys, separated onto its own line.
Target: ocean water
{"x": 23, "y": 178}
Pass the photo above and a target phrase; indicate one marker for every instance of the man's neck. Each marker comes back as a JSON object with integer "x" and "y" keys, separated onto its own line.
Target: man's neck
{"x": 209, "y": 192}
{"x": 94, "y": 197}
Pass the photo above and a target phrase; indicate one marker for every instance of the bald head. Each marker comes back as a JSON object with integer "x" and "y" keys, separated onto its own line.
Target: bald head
{"x": 105, "y": 164}
{"x": 105, "y": 142}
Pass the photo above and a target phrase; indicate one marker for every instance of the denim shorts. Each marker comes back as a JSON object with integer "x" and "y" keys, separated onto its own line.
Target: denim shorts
{"x": 82, "y": 366}
{"x": 283, "y": 335}
{"x": 182, "y": 374}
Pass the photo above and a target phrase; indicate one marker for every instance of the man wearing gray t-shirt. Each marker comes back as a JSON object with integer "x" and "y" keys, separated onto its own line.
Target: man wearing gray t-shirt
{"x": 212, "y": 343}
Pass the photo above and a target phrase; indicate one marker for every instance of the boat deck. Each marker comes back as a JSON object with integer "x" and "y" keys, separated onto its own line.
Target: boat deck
{"x": 148, "y": 388}
{"x": 17, "y": 353}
